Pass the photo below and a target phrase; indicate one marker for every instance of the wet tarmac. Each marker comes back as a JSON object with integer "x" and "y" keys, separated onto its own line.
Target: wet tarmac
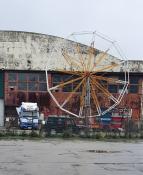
{"x": 70, "y": 157}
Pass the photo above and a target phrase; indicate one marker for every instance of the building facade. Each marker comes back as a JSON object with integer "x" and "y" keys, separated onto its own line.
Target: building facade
{"x": 25, "y": 56}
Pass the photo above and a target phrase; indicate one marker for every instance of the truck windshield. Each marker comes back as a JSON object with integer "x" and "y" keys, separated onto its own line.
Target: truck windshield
{"x": 30, "y": 113}
{"x": 26, "y": 116}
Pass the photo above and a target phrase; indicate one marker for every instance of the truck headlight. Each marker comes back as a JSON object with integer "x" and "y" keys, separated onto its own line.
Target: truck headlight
{"x": 23, "y": 120}
{"x": 43, "y": 122}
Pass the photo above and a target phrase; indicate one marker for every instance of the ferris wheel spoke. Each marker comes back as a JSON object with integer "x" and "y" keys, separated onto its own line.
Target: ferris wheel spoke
{"x": 65, "y": 83}
{"x": 69, "y": 72}
{"x": 107, "y": 67}
{"x": 71, "y": 95}
{"x": 102, "y": 57}
{"x": 95, "y": 99}
{"x": 66, "y": 58}
{"x": 105, "y": 91}
{"x": 110, "y": 80}
{"x": 80, "y": 57}
{"x": 91, "y": 51}
{"x": 71, "y": 61}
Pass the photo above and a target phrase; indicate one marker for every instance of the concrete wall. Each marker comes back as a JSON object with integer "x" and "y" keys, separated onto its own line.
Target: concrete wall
{"x": 32, "y": 51}
{"x": 136, "y": 65}
{"x": 1, "y": 112}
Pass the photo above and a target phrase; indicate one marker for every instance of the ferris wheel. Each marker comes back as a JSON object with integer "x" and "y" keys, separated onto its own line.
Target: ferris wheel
{"x": 91, "y": 75}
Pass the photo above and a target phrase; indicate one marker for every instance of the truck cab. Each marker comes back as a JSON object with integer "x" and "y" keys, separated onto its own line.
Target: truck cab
{"x": 28, "y": 114}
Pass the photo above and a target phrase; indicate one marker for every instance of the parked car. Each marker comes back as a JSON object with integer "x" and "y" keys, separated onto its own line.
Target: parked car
{"x": 60, "y": 124}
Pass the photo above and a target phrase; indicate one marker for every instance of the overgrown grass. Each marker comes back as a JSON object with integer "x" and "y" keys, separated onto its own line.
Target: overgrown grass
{"x": 24, "y": 134}
{"x": 67, "y": 134}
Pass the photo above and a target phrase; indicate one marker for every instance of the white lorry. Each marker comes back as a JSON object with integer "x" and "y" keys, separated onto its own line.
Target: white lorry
{"x": 28, "y": 114}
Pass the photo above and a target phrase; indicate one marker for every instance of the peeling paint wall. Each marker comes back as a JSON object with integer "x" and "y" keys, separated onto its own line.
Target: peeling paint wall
{"x": 32, "y": 51}
{"x": 136, "y": 66}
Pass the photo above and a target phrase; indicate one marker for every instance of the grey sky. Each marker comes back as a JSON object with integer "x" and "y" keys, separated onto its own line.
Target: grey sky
{"x": 121, "y": 20}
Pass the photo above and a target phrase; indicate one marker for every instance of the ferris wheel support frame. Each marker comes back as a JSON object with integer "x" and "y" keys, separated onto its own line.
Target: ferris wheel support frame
{"x": 90, "y": 80}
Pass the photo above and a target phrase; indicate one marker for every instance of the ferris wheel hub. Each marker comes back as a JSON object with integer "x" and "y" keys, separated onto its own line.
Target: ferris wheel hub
{"x": 87, "y": 74}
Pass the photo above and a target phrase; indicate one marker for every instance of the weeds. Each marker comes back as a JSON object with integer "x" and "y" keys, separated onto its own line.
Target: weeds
{"x": 34, "y": 134}
{"x": 28, "y": 134}
{"x": 67, "y": 134}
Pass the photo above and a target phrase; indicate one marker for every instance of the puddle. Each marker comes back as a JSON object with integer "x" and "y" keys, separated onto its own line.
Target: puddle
{"x": 102, "y": 151}
{"x": 76, "y": 165}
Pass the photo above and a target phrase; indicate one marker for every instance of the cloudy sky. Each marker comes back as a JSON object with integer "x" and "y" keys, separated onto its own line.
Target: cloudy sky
{"x": 121, "y": 20}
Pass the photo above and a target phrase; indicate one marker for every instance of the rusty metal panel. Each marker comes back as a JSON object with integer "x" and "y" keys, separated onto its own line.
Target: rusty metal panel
{"x": 135, "y": 114}
{"x": 103, "y": 101}
{"x": 134, "y": 101}
{"x": 123, "y": 103}
{"x": 14, "y": 96}
{"x": 131, "y": 101}
{"x": 72, "y": 105}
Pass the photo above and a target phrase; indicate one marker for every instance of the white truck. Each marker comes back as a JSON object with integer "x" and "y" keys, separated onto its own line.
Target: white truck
{"x": 28, "y": 114}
